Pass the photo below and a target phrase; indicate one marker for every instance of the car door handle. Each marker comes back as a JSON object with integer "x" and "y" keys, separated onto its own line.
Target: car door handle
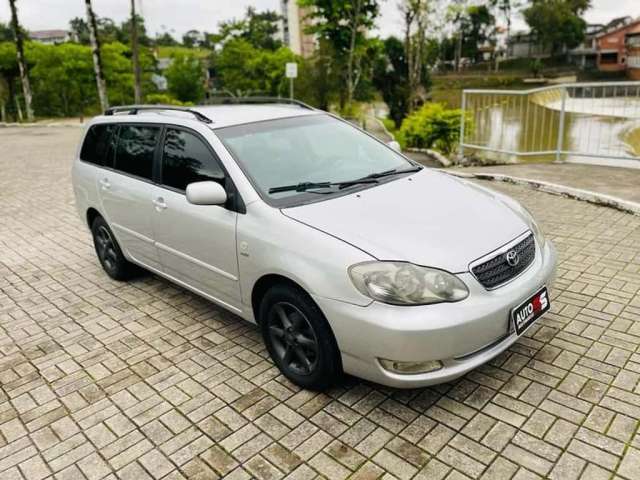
{"x": 159, "y": 204}
{"x": 105, "y": 184}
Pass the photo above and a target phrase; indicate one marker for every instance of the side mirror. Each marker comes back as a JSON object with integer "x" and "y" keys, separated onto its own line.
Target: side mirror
{"x": 395, "y": 145}
{"x": 206, "y": 193}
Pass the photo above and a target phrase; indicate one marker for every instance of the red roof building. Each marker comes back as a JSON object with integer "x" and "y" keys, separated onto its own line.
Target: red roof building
{"x": 611, "y": 46}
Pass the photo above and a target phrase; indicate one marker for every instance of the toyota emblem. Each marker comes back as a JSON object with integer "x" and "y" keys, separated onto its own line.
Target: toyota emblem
{"x": 512, "y": 258}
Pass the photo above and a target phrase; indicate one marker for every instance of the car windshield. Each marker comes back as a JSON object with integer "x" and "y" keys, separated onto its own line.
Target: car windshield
{"x": 311, "y": 155}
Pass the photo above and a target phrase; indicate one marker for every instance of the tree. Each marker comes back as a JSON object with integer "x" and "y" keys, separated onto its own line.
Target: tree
{"x": 97, "y": 57}
{"x": 258, "y": 28}
{"x": 166, "y": 40}
{"x": 344, "y": 23}
{"x": 506, "y": 7}
{"x": 557, "y": 23}
{"x": 137, "y": 85}
{"x": 22, "y": 64}
{"x": 192, "y": 38}
{"x": 185, "y": 76}
{"x": 243, "y": 70}
{"x": 415, "y": 14}
{"x": 478, "y": 27}
{"x": 6, "y": 34}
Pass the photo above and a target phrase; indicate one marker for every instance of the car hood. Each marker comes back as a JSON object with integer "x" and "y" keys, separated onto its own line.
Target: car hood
{"x": 428, "y": 218}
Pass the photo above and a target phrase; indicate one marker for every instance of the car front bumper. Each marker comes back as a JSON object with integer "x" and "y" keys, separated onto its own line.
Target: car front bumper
{"x": 462, "y": 335}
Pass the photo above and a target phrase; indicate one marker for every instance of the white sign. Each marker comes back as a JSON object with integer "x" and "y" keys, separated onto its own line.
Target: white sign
{"x": 292, "y": 70}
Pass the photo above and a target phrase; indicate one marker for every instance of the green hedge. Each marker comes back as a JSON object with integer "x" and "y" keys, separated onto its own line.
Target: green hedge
{"x": 432, "y": 126}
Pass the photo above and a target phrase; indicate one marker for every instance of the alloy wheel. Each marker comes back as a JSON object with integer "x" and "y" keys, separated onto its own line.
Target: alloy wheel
{"x": 294, "y": 340}
{"x": 106, "y": 248}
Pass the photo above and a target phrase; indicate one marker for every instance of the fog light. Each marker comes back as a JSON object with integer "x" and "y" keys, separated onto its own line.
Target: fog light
{"x": 410, "y": 368}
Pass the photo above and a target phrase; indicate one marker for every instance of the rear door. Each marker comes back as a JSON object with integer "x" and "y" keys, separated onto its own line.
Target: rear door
{"x": 196, "y": 243}
{"x": 126, "y": 191}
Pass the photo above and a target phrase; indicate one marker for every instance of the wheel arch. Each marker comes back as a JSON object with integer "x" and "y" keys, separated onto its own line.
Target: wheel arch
{"x": 91, "y": 215}
{"x": 263, "y": 284}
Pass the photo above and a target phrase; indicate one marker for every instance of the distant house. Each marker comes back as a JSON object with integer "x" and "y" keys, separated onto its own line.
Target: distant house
{"x": 51, "y": 37}
{"x": 612, "y": 51}
{"x": 526, "y": 45}
{"x": 632, "y": 42}
{"x": 292, "y": 28}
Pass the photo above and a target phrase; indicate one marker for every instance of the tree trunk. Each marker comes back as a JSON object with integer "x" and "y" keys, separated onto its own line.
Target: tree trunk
{"x": 18, "y": 109}
{"x": 3, "y": 113}
{"x": 137, "y": 86}
{"x": 22, "y": 64}
{"x": 97, "y": 57}
{"x": 352, "y": 47}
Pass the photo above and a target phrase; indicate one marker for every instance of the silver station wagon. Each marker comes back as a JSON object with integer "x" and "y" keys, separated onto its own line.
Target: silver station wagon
{"x": 347, "y": 255}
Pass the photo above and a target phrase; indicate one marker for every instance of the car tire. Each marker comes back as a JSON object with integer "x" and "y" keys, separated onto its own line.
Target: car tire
{"x": 299, "y": 338}
{"x": 109, "y": 252}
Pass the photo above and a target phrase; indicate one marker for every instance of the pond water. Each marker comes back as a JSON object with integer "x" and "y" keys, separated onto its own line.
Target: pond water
{"x": 526, "y": 128}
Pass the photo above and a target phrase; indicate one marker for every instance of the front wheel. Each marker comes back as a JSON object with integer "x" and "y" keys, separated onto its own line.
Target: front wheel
{"x": 299, "y": 338}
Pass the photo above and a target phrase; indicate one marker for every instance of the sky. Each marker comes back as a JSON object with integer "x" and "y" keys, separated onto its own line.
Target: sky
{"x": 179, "y": 16}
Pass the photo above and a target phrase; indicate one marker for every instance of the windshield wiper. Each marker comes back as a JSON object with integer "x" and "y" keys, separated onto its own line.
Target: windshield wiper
{"x": 305, "y": 186}
{"x": 393, "y": 171}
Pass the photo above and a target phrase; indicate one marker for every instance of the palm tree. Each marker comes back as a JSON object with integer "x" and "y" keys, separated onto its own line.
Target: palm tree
{"x": 137, "y": 88}
{"x": 22, "y": 65}
{"x": 97, "y": 58}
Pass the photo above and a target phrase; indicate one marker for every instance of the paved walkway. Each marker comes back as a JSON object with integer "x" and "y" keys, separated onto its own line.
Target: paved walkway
{"x": 138, "y": 380}
{"x": 618, "y": 182}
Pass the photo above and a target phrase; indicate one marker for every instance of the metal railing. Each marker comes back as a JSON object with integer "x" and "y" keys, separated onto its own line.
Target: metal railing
{"x": 595, "y": 122}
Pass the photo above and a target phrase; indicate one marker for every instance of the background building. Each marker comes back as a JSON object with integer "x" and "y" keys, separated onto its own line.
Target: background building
{"x": 50, "y": 37}
{"x": 293, "y": 26}
{"x": 612, "y": 54}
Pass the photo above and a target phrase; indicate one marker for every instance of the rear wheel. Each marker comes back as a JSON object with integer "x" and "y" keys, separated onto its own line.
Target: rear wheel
{"x": 109, "y": 253}
{"x": 299, "y": 338}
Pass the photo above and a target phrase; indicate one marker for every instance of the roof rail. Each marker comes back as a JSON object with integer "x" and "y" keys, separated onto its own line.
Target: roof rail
{"x": 256, "y": 100}
{"x": 134, "y": 109}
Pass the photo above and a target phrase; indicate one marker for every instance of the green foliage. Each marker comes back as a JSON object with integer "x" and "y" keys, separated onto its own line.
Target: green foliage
{"x": 257, "y": 28}
{"x": 6, "y": 34}
{"x": 344, "y": 25}
{"x": 185, "y": 76}
{"x": 243, "y": 69}
{"x": 557, "y": 23}
{"x": 432, "y": 126}
{"x": 478, "y": 27}
{"x": 390, "y": 77}
{"x": 62, "y": 76}
{"x": 164, "y": 99}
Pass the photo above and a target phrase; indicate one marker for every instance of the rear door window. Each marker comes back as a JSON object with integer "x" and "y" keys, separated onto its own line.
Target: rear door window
{"x": 136, "y": 148}
{"x": 99, "y": 145}
{"x": 187, "y": 159}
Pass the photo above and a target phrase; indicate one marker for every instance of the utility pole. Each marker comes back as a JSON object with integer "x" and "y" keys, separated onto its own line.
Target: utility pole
{"x": 97, "y": 57}
{"x": 22, "y": 64}
{"x": 137, "y": 87}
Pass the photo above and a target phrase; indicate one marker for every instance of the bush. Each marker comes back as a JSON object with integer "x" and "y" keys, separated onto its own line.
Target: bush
{"x": 164, "y": 99}
{"x": 432, "y": 126}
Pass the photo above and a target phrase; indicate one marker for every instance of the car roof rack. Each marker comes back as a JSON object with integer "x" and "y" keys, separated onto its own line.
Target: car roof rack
{"x": 221, "y": 100}
{"x": 134, "y": 109}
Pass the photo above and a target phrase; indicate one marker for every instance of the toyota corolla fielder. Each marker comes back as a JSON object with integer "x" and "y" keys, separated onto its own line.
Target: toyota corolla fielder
{"x": 349, "y": 256}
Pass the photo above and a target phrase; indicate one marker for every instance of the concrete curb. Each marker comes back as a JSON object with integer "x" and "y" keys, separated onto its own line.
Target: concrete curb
{"x": 438, "y": 157}
{"x": 40, "y": 125}
{"x": 557, "y": 189}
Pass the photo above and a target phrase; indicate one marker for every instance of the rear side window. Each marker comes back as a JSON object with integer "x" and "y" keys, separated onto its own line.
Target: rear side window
{"x": 135, "y": 151}
{"x": 98, "y": 146}
{"x": 187, "y": 159}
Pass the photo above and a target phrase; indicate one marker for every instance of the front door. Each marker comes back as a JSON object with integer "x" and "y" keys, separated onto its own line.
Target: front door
{"x": 196, "y": 243}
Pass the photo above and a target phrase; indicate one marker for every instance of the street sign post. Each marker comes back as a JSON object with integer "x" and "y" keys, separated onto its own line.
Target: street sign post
{"x": 291, "y": 72}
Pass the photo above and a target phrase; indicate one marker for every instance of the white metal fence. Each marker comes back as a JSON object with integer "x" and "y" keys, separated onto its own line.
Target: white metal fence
{"x": 597, "y": 122}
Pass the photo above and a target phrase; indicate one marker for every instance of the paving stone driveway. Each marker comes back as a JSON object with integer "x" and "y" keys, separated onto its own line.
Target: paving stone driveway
{"x": 144, "y": 380}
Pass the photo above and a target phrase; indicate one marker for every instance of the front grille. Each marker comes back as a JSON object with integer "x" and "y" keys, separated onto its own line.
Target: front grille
{"x": 497, "y": 270}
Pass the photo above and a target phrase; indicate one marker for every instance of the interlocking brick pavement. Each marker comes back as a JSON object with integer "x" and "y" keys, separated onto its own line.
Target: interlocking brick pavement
{"x": 144, "y": 380}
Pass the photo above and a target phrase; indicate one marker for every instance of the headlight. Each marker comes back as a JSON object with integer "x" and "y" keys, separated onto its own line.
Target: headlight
{"x": 535, "y": 228}
{"x": 402, "y": 283}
